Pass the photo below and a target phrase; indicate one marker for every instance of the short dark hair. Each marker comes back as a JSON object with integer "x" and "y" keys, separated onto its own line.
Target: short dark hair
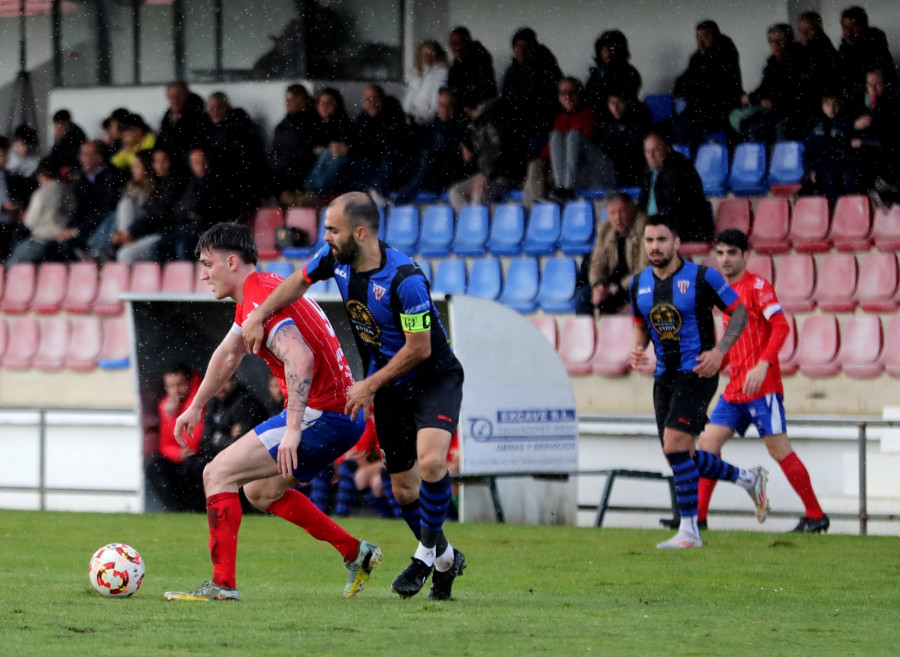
{"x": 663, "y": 219}
{"x": 299, "y": 91}
{"x": 4, "y": 143}
{"x": 858, "y": 14}
{"x": 619, "y": 197}
{"x": 27, "y": 135}
{"x": 47, "y": 169}
{"x": 710, "y": 26}
{"x": 229, "y": 236}
{"x": 733, "y": 237}
{"x": 361, "y": 210}
{"x": 525, "y": 34}
{"x": 575, "y": 82}
{"x": 462, "y": 31}
{"x": 181, "y": 368}
{"x": 62, "y": 116}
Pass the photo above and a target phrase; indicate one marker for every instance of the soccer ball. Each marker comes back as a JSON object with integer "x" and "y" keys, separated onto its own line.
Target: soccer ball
{"x": 116, "y": 570}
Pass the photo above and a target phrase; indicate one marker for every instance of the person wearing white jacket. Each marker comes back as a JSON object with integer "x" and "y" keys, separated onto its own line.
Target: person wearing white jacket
{"x": 425, "y": 81}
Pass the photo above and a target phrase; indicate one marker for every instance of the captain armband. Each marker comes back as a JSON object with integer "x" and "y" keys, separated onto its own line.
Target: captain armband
{"x": 416, "y": 323}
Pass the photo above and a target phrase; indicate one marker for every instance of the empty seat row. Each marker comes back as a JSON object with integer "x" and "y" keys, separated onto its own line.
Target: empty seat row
{"x": 81, "y": 343}
{"x": 750, "y": 173}
{"x": 82, "y": 288}
{"x": 862, "y": 349}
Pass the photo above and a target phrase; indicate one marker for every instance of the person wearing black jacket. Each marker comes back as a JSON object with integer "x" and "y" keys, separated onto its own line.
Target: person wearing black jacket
{"x": 827, "y": 157}
{"x": 612, "y": 74}
{"x": 863, "y": 48}
{"x": 471, "y": 76}
{"x": 291, "y": 156}
{"x": 195, "y": 211}
{"x": 184, "y": 125}
{"x": 331, "y": 134}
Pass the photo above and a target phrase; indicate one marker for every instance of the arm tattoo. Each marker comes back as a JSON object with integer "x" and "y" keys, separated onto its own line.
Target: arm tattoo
{"x": 736, "y": 326}
{"x": 286, "y": 338}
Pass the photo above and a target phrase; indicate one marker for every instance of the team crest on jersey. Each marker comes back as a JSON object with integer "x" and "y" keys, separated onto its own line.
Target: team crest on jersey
{"x": 364, "y": 324}
{"x": 683, "y": 286}
{"x": 666, "y": 320}
{"x": 378, "y": 291}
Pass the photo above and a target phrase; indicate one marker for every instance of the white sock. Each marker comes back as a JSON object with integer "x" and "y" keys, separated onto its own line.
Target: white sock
{"x": 689, "y": 526}
{"x": 746, "y": 479}
{"x": 425, "y": 555}
{"x": 444, "y": 562}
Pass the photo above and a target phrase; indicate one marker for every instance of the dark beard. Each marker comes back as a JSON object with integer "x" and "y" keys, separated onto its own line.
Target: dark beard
{"x": 348, "y": 254}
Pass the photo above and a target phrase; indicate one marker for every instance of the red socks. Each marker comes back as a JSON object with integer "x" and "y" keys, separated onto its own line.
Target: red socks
{"x": 704, "y": 495}
{"x": 223, "y": 511}
{"x": 296, "y": 508}
{"x": 798, "y": 477}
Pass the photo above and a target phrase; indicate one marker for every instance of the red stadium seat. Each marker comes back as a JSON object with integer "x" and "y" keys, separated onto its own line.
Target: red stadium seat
{"x": 711, "y": 262}
{"x": 267, "y": 220}
{"x": 20, "y": 285}
{"x": 146, "y": 278}
{"x": 577, "y": 341}
{"x": 546, "y": 324}
{"x": 818, "y": 346}
{"x": 115, "y": 279}
{"x": 4, "y": 334}
{"x": 837, "y": 283}
{"x": 54, "y": 343}
{"x": 771, "y": 226}
{"x": 82, "y": 288}
{"x": 861, "y": 342}
{"x": 795, "y": 282}
{"x": 613, "y": 354}
{"x": 810, "y": 225}
{"x": 733, "y": 213}
{"x": 2, "y": 280}
{"x": 84, "y": 347}
{"x": 52, "y": 280}
{"x": 787, "y": 355}
{"x": 305, "y": 220}
{"x": 762, "y": 265}
{"x": 24, "y": 336}
{"x": 115, "y": 346}
{"x": 852, "y": 225}
{"x": 890, "y": 355}
{"x": 179, "y": 278}
{"x": 689, "y": 249}
{"x": 886, "y": 229}
{"x": 878, "y": 282}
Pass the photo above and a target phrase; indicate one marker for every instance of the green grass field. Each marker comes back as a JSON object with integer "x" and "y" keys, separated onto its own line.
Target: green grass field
{"x": 528, "y": 591}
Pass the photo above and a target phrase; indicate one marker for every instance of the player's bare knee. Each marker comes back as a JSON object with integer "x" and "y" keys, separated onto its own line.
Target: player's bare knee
{"x": 258, "y": 497}
{"x": 432, "y": 467}
{"x": 405, "y": 488}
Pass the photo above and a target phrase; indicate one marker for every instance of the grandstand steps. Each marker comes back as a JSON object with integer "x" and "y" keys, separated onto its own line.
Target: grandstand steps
{"x": 69, "y": 389}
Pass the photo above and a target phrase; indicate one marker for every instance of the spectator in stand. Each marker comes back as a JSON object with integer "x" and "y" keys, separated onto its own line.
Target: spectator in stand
{"x": 67, "y": 139}
{"x": 820, "y": 60}
{"x": 195, "y": 211}
{"x": 291, "y": 156}
{"x": 445, "y": 151}
{"x": 672, "y": 186}
{"x": 11, "y": 229}
{"x": 530, "y": 91}
{"x": 827, "y": 158}
{"x": 612, "y": 73}
{"x": 575, "y": 159}
{"x": 710, "y": 87}
{"x": 863, "y": 48}
{"x": 777, "y": 110}
{"x": 165, "y": 468}
{"x": 618, "y": 253}
{"x": 425, "y": 81}
{"x": 112, "y": 134}
{"x": 621, "y": 137}
{"x": 185, "y": 124}
{"x": 331, "y": 134}
{"x": 24, "y": 158}
{"x": 236, "y": 151}
{"x": 46, "y": 218}
{"x": 876, "y": 136}
{"x": 136, "y": 137}
{"x": 471, "y": 76}
{"x": 141, "y": 239}
{"x": 499, "y": 158}
{"x": 97, "y": 190}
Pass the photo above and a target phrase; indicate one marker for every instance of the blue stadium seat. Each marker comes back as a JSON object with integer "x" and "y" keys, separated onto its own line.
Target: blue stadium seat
{"x": 507, "y": 230}
{"x": 557, "y": 290}
{"x": 542, "y": 233}
{"x": 403, "y": 228}
{"x": 283, "y": 269}
{"x": 437, "y": 231}
{"x": 786, "y": 167}
{"x": 591, "y": 194}
{"x": 577, "y": 233}
{"x": 684, "y": 149}
{"x": 633, "y": 192}
{"x": 450, "y": 277}
{"x": 486, "y": 278}
{"x": 748, "y": 170}
{"x": 522, "y": 283}
{"x": 661, "y": 106}
{"x": 712, "y": 165}
{"x": 425, "y": 266}
{"x": 472, "y": 231}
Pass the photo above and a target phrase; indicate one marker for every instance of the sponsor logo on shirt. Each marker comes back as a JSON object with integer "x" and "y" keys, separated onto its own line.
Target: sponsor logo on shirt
{"x": 666, "y": 321}
{"x": 340, "y": 272}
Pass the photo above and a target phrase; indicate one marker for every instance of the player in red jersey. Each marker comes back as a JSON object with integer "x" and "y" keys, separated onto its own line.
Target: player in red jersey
{"x": 755, "y": 393}
{"x": 305, "y": 356}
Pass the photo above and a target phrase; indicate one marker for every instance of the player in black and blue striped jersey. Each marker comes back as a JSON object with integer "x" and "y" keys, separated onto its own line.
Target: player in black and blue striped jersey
{"x": 672, "y": 302}
{"x": 413, "y": 378}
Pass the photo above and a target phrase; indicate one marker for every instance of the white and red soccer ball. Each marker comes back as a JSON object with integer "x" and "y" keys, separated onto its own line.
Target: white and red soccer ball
{"x": 116, "y": 570}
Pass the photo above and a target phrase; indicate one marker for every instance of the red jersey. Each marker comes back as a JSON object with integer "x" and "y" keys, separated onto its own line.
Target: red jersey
{"x": 332, "y": 377}
{"x": 762, "y": 339}
{"x": 168, "y": 445}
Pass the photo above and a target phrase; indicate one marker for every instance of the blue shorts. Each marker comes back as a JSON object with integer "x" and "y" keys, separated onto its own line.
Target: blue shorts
{"x": 765, "y": 413}
{"x": 326, "y": 436}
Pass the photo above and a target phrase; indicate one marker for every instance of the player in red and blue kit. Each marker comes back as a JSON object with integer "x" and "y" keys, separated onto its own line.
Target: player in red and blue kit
{"x": 304, "y": 355}
{"x": 412, "y": 375}
{"x": 755, "y": 394}
{"x": 672, "y": 302}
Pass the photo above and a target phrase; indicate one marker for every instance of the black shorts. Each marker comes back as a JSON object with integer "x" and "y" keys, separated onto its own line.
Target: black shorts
{"x": 681, "y": 401}
{"x": 429, "y": 401}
